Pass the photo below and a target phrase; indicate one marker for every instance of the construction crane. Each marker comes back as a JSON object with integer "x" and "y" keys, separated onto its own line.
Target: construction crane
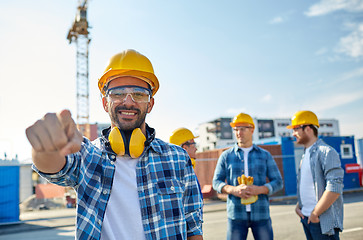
{"x": 78, "y": 33}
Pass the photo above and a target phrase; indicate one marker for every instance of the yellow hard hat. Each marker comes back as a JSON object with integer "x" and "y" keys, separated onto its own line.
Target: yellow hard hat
{"x": 180, "y": 136}
{"x": 303, "y": 118}
{"x": 129, "y": 63}
{"x": 242, "y": 118}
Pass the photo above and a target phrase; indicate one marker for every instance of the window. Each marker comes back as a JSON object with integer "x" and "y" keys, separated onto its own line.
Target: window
{"x": 346, "y": 151}
{"x": 265, "y": 129}
{"x": 282, "y": 124}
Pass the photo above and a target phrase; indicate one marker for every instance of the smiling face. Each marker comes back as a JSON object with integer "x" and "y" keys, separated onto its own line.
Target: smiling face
{"x": 127, "y": 114}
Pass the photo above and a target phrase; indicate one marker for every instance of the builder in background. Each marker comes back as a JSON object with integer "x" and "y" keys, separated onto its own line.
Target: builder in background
{"x": 130, "y": 185}
{"x": 320, "y": 181}
{"x": 245, "y": 158}
{"x": 184, "y": 137}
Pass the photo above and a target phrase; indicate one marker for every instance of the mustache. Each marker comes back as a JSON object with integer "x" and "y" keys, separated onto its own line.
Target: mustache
{"x": 119, "y": 108}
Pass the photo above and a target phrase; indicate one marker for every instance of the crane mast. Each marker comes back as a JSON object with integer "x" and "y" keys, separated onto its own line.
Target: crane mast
{"x": 79, "y": 34}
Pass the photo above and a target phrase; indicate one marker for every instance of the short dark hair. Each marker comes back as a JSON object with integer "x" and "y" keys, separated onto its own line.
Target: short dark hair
{"x": 314, "y": 128}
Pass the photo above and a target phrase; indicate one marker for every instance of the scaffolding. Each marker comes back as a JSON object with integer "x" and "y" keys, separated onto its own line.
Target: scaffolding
{"x": 79, "y": 34}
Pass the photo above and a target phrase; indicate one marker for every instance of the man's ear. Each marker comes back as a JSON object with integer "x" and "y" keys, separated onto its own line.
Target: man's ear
{"x": 309, "y": 130}
{"x": 150, "y": 105}
{"x": 105, "y": 103}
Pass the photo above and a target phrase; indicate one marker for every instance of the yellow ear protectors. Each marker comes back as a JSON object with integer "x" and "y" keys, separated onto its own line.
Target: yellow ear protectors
{"x": 193, "y": 162}
{"x": 125, "y": 143}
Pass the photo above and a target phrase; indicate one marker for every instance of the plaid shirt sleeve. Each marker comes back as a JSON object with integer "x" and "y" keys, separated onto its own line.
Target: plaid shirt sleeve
{"x": 193, "y": 202}
{"x": 69, "y": 174}
{"x": 220, "y": 174}
{"x": 273, "y": 175}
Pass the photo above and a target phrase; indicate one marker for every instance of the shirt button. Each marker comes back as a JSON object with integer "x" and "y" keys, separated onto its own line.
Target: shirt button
{"x": 99, "y": 222}
{"x": 113, "y": 157}
{"x": 172, "y": 188}
{"x": 105, "y": 192}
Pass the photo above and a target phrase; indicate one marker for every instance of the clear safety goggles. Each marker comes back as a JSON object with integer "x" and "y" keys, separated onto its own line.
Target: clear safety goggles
{"x": 189, "y": 143}
{"x": 241, "y": 128}
{"x": 296, "y": 128}
{"x": 137, "y": 94}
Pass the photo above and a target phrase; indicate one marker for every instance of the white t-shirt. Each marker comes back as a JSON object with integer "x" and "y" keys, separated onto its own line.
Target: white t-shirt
{"x": 245, "y": 160}
{"x": 123, "y": 215}
{"x": 307, "y": 192}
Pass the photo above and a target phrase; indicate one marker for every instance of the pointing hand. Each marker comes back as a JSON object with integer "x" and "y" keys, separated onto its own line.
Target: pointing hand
{"x": 53, "y": 137}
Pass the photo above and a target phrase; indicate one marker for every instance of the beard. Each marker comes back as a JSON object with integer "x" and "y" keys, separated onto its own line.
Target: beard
{"x": 303, "y": 139}
{"x": 127, "y": 125}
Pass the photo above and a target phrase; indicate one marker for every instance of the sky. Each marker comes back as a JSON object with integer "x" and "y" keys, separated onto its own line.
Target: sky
{"x": 213, "y": 59}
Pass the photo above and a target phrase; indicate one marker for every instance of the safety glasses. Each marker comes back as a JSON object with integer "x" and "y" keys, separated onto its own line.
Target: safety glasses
{"x": 241, "y": 128}
{"x": 301, "y": 127}
{"x": 137, "y": 94}
{"x": 189, "y": 143}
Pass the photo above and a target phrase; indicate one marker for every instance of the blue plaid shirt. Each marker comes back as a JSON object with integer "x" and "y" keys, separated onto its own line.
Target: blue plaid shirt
{"x": 170, "y": 199}
{"x": 327, "y": 175}
{"x": 230, "y": 165}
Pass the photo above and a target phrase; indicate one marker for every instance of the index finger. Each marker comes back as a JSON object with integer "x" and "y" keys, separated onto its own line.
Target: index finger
{"x": 66, "y": 120}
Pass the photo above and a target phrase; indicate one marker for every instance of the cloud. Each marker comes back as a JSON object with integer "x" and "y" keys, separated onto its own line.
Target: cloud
{"x": 352, "y": 45}
{"x": 328, "y": 6}
{"x": 276, "y": 20}
{"x": 352, "y": 74}
{"x": 336, "y": 100}
{"x": 347, "y": 78}
{"x": 267, "y": 98}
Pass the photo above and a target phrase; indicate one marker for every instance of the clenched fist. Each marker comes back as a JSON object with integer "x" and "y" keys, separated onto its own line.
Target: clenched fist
{"x": 53, "y": 137}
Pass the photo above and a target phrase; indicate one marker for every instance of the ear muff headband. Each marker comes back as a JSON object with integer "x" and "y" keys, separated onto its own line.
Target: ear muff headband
{"x": 121, "y": 145}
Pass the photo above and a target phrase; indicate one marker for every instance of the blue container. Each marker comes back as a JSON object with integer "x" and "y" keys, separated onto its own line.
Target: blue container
{"x": 9, "y": 194}
{"x": 288, "y": 161}
{"x": 345, "y": 147}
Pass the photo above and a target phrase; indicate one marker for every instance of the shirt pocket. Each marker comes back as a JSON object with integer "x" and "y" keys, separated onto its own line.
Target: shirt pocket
{"x": 259, "y": 172}
{"x": 170, "y": 195}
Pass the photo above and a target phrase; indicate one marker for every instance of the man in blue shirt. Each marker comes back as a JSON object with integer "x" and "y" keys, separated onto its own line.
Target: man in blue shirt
{"x": 320, "y": 181}
{"x": 247, "y": 159}
{"x": 129, "y": 184}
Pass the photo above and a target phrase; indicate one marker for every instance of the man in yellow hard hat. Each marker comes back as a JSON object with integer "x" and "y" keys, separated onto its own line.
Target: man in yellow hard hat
{"x": 248, "y": 202}
{"x": 129, "y": 184}
{"x": 320, "y": 181}
{"x": 184, "y": 137}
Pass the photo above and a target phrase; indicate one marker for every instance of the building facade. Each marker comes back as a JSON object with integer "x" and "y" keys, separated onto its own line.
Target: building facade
{"x": 219, "y": 134}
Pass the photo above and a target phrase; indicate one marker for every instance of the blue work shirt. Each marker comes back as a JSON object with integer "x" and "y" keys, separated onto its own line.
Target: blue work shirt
{"x": 230, "y": 166}
{"x": 170, "y": 200}
{"x": 327, "y": 175}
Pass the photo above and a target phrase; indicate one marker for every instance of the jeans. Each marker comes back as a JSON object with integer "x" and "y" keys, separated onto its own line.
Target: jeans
{"x": 238, "y": 229}
{"x": 313, "y": 231}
